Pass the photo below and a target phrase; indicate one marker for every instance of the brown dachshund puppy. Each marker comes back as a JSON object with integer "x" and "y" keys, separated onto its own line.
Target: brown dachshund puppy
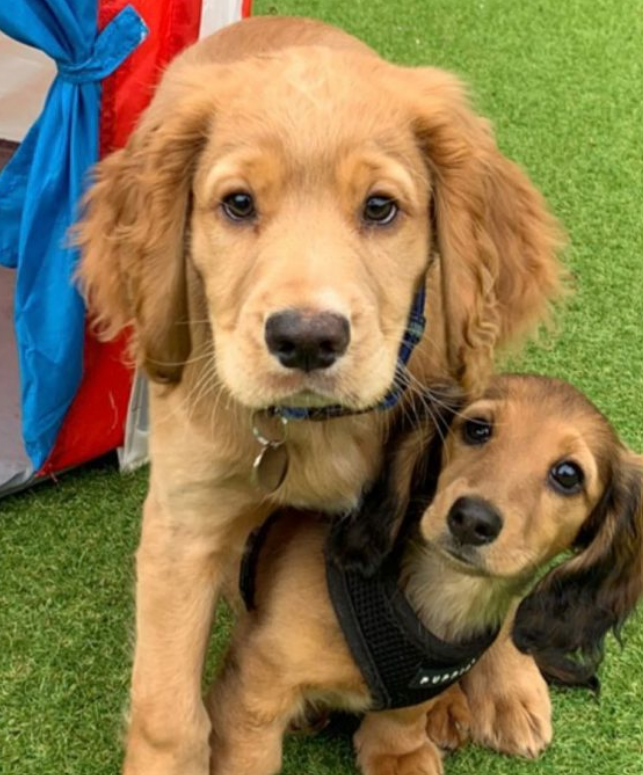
{"x": 530, "y": 470}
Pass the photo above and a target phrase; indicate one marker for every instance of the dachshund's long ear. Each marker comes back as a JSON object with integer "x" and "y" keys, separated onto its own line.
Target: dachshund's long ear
{"x": 496, "y": 239}
{"x": 564, "y": 621}
{"x": 410, "y": 469}
{"x": 133, "y": 232}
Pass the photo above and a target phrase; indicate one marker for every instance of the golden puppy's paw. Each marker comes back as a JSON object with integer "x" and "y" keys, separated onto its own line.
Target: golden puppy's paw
{"x": 448, "y": 722}
{"x": 426, "y": 760}
{"x": 517, "y": 723}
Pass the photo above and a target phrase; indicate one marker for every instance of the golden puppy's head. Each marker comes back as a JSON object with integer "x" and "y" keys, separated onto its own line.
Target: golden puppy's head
{"x": 286, "y": 207}
{"x": 530, "y": 470}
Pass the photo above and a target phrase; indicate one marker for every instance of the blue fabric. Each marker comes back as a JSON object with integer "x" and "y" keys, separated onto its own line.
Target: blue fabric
{"x": 39, "y": 193}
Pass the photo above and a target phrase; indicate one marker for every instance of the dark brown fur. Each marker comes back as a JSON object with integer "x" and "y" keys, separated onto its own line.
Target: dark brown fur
{"x": 563, "y": 623}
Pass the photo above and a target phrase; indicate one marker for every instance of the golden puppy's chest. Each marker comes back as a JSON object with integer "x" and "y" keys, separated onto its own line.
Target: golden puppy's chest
{"x": 328, "y": 473}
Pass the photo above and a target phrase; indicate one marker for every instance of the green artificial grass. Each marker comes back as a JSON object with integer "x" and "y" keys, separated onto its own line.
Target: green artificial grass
{"x": 561, "y": 79}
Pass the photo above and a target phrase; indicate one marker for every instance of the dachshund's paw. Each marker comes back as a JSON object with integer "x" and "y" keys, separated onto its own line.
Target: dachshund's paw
{"x": 426, "y": 760}
{"x": 518, "y": 723}
{"x": 448, "y": 722}
{"x": 356, "y": 544}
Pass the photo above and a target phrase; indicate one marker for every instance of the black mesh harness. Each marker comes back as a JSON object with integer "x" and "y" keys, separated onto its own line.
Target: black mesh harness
{"x": 402, "y": 663}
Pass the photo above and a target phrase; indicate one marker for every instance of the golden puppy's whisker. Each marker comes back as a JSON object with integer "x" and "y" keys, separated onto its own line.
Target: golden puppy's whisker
{"x": 196, "y": 322}
{"x": 407, "y": 380}
{"x": 185, "y": 362}
{"x": 206, "y": 382}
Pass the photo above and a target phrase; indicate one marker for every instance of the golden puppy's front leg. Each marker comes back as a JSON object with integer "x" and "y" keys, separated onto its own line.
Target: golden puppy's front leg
{"x": 178, "y": 577}
{"x": 251, "y": 705}
{"x": 395, "y": 742}
{"x": 510, "y": 708}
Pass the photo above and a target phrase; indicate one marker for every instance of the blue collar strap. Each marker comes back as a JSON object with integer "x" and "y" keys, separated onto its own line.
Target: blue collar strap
{"x": 412, "y": 335}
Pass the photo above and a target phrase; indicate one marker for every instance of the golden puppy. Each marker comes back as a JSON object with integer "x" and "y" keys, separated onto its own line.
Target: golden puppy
{"x": 264, "y": 233}
{"x": 529, "y": 470}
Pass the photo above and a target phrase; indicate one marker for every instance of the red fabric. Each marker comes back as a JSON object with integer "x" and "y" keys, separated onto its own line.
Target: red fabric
{"x": 246, "y": 8}
{"x": 172, "y": 24}
{"x": 95, "y": 423}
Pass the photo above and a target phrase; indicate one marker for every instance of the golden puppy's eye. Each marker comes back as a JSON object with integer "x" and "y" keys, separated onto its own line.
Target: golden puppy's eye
{"x": 380, "y": 210}
{"x": 239, "y": 206}
{"x": 566, "y": 477}
{"x": 476, "y": 431}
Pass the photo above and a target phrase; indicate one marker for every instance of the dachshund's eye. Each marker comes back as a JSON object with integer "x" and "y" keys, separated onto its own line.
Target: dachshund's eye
{"x": 380, "y": 210}
{"x": 566, "y": 477}
{"x": 239, "y": 206}
{"x": 477, "y": 431}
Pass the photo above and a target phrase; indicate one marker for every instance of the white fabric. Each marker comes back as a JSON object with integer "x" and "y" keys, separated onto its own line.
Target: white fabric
{"x": 218, "y": 13}
{"x": 25, "y": 77}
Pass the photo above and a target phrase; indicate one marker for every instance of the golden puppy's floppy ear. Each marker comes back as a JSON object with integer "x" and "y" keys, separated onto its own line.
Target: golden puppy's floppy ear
{"x": 497, "y": 241}
{"x": 564, "y": 621}
{"x": 133, "y": 232}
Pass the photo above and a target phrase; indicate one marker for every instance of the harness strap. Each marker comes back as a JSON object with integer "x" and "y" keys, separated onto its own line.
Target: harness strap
{"x": 402, "y": 662}
{"x": 250, "y": 561}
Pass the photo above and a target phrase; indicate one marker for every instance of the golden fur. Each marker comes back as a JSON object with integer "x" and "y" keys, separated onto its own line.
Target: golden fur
{"x": 311, "y": 122}
{"x": 290, "y": 651}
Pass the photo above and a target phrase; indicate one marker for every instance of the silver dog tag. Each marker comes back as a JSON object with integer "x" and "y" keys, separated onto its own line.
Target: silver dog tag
{"x": 270, "y": 467}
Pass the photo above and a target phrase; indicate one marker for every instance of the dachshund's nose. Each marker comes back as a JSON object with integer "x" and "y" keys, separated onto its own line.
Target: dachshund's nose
{"x": 474, "y": 522}
{"x": 306, "y": 341}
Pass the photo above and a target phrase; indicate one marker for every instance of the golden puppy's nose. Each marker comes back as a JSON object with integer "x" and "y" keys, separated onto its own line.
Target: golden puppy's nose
{"x": 301, "y": 340}
{"x": 474, "y": 522}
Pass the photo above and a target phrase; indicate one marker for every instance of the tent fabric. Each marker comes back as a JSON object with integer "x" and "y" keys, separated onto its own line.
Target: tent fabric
{"x": 77, "y": 392}
{"x": 39, "y": 192}
{"x": 26, "y": 76}
{"x": 95, "y": 421}
{"x": 216, "y": 14}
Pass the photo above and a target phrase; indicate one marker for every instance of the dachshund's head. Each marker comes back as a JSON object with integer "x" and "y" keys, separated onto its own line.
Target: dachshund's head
{"x": 531, "y": 470}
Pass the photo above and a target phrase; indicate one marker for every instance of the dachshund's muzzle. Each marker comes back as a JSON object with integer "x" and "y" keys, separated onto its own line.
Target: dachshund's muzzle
{"x": 473, "y": 522}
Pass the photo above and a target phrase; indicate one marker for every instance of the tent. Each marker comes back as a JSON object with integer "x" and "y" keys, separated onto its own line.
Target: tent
{"x": 74, "y": 75}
